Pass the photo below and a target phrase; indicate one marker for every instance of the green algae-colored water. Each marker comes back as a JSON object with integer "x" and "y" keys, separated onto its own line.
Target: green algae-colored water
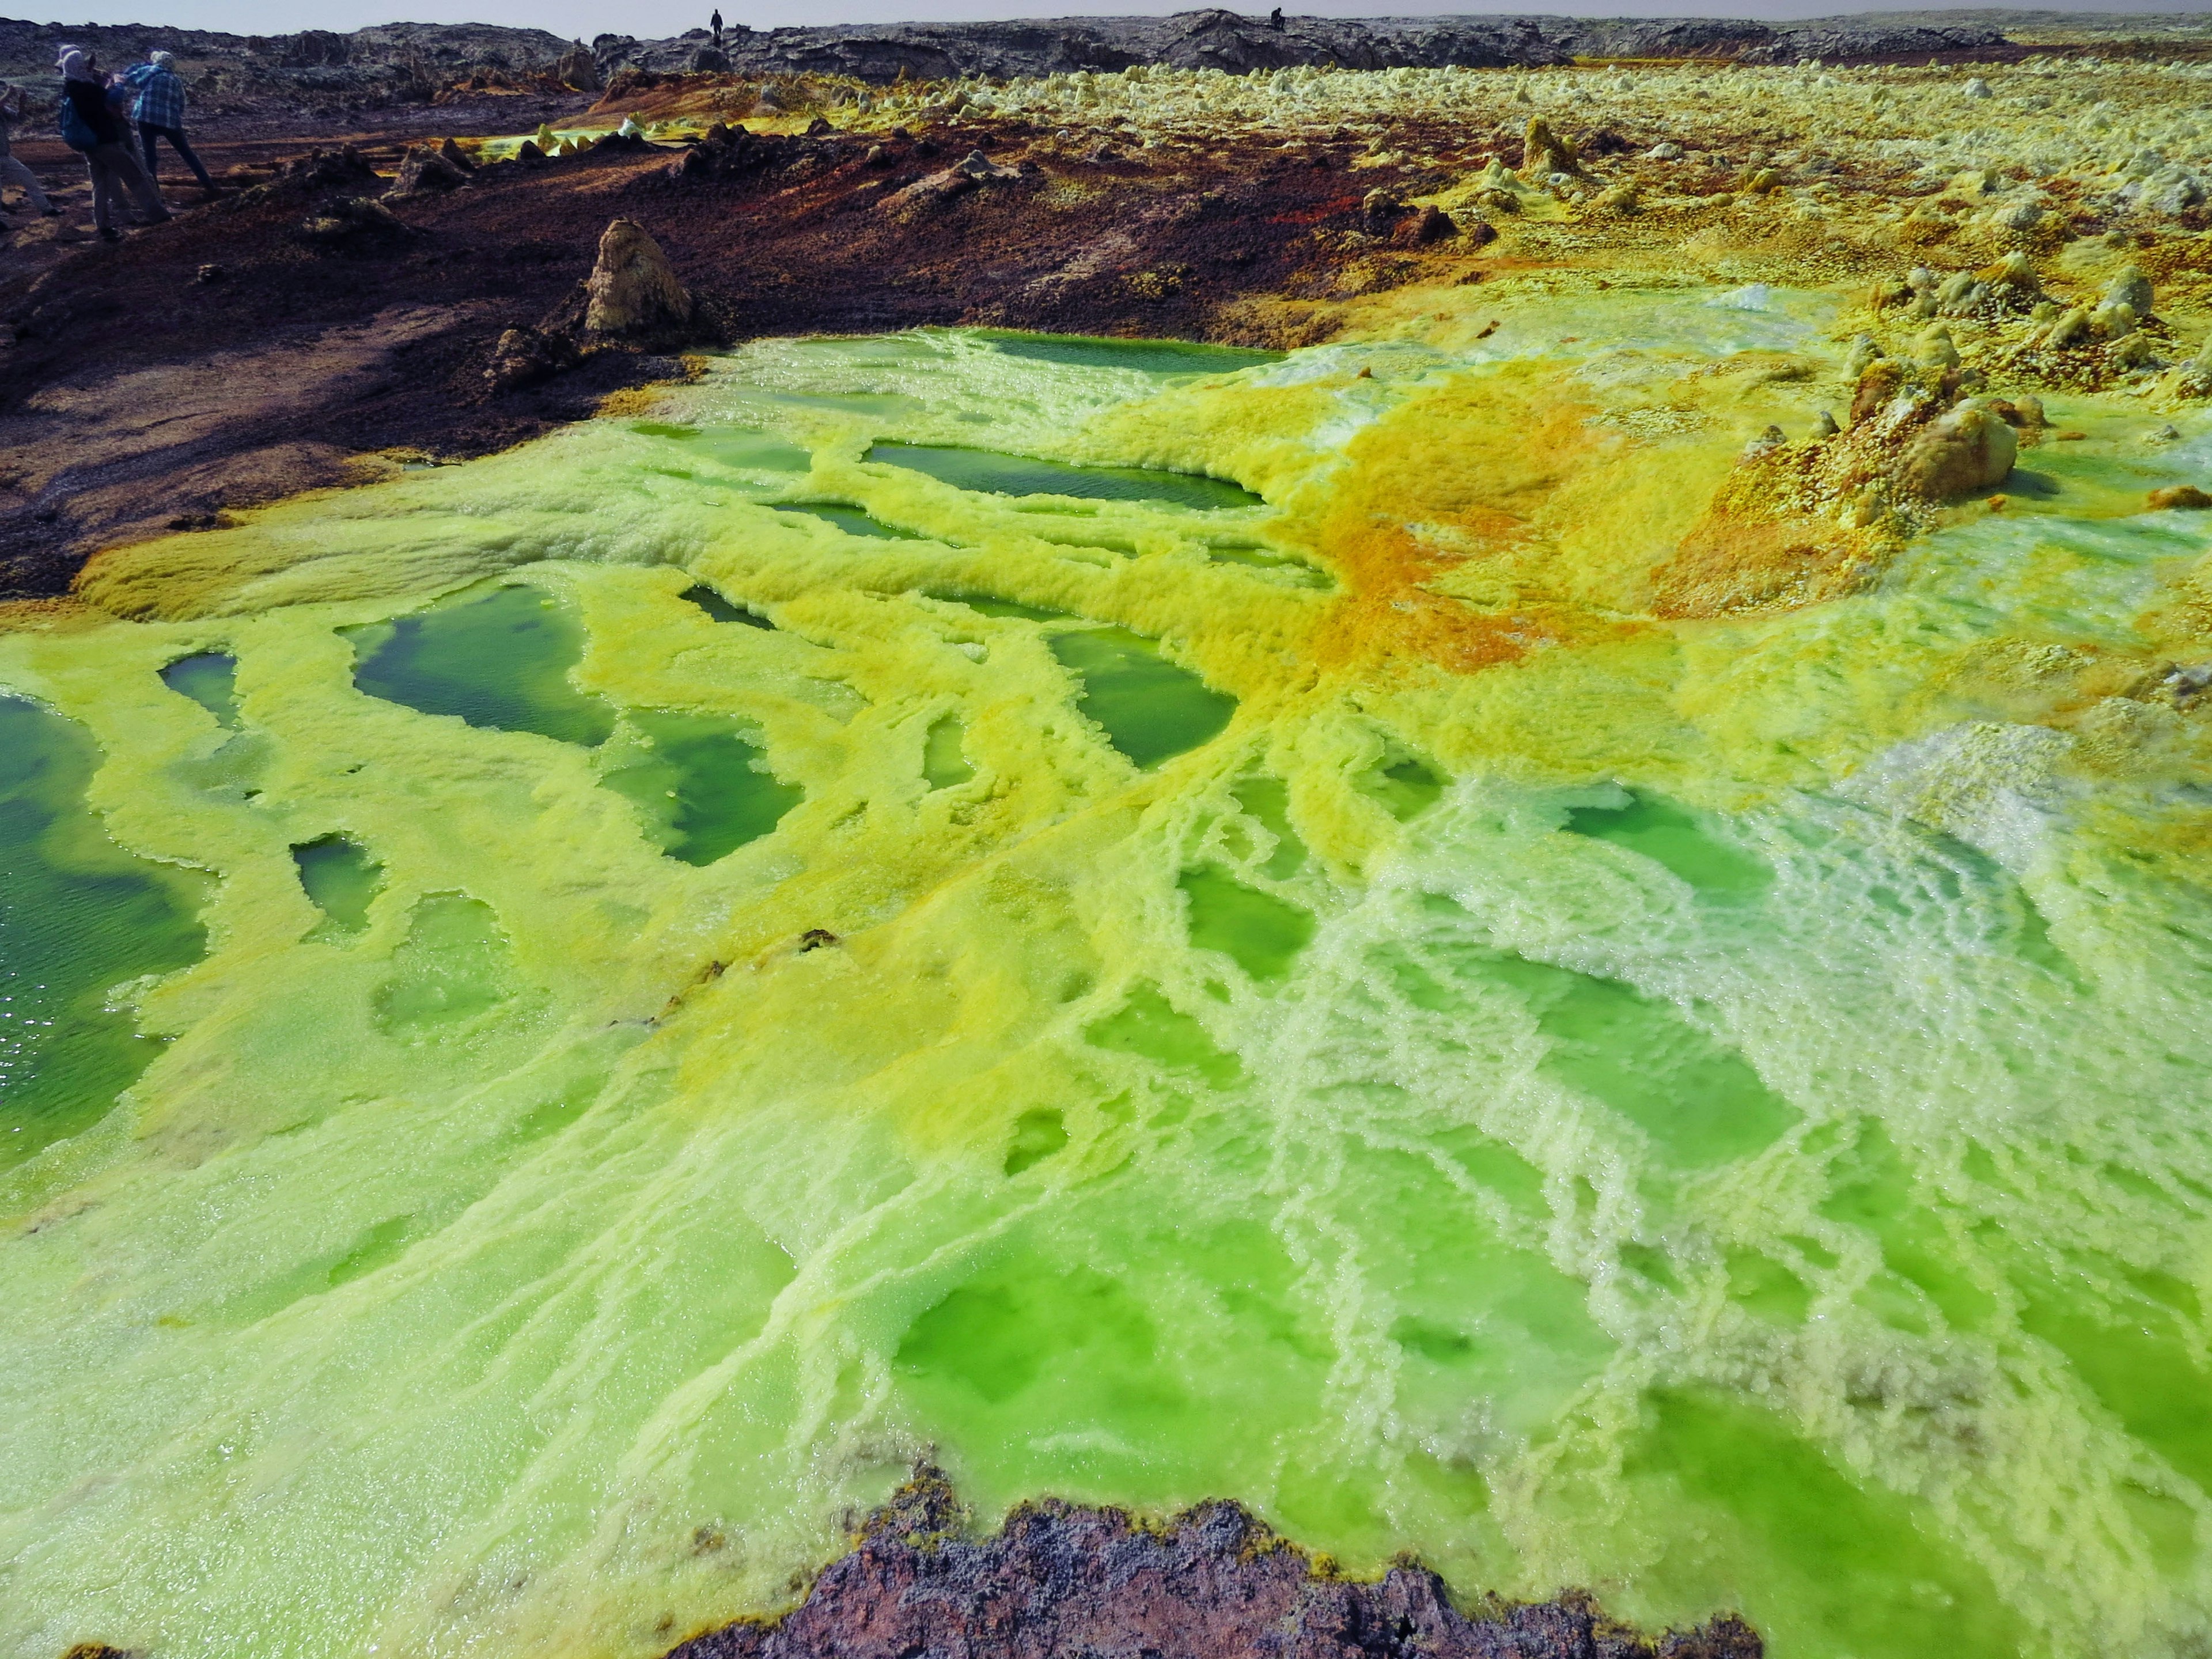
{"x": 1147, "y": 357}
{"x": 498, "y": 660}
{"x": 1149, "y": 708}
{"x": 80, "y": 921}
{"x": 693, "y": 1004}
{"x": 341, "y": 878}
{"x": 1018, "y": 475}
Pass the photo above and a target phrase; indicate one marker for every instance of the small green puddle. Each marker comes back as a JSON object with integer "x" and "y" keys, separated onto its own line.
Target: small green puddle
{"x": 342, "y": 879}
{"x": 78, "y": 915}
{"x": 1669, "y": 834}
{"x": 722, "y": 610}
{"x": 1295, "y": 572}
{"x": 990, "y": 605}
{"x": 500, "y": 661}
{"x": 210, "y": 680}
{"x": 850, "y": 519}
{"x": 1151, "y": 1027}
{"x": 705, "y": 789}
{"x": 1699, "y": 1100}
{"x": 989, "y": 472}
{"x": 454, "y": 966}
{"x": 1403, "y": 788}
{"x": 1150, "y": 708}
{"x": 1257, "y": 931}
{"x": 741, "y": 448}
{"x": 944, "y": 754}
{"x": 1038, "y": 1135}
{"x": 1145, "y": 356}
{"x": 1269, "y": 802}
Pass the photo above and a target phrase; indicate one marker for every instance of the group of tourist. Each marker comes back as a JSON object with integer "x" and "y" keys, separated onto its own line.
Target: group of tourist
{"x": 110, "y": 120}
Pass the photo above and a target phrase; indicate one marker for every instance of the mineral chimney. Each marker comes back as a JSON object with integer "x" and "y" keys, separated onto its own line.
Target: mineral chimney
{"x": 631, "y": 290}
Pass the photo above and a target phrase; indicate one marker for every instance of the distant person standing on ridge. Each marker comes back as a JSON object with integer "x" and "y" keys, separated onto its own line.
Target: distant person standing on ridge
{"x": 98, "y": 133}
{"x": 11, "y": 111}
{"x": 718, "y": 28}
{"x": 159, "y": 110}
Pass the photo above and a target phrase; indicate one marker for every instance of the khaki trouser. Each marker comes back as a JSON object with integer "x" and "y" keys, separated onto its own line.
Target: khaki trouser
{"x": 13, "y": 172}
{"x": 114, "y": 170}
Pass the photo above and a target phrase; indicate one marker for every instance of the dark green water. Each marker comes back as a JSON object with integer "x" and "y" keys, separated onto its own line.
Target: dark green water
{"x": 210, "y": 680}
{"x": 1146, "y": 356}
{"x": 990, "y": 605}
{"x": 1404, "y": 788}
{"x": 1257, "y": 931}
{"x": 742, "y": 448}
{"x": 77, "y": 915}
{"x": 1294, "y": 571}
{"x": 944, "y": 754}
{"x": 1151, "y": 709}
{"x": 338, "y": 873}
{"x": 989, "y": 472}
{"x": 501, "y": 660}
{"x": 722, "y": 610}
{"x": 705, "y": 790}
{"x": 1671, "y": 835}
{"x": 850, "y": 519}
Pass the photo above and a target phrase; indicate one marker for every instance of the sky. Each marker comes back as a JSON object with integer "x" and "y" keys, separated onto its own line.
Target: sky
{"x": 582, "y": 19}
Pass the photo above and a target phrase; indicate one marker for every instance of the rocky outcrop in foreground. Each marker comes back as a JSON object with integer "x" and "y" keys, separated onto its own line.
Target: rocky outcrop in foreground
{"x": 1212, "y": 1583}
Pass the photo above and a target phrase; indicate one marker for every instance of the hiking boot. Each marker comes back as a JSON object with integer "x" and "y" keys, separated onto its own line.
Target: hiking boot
{"x": 109, "y": 234}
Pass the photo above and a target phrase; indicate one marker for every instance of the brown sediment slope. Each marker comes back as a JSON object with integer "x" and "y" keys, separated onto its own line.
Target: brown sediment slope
{"x": 1061, "y": 1579}
{"x": 143, "y": 391}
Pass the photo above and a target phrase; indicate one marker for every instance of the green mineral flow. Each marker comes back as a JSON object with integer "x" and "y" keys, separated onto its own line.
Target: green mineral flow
{"x": 1167, "y": 924}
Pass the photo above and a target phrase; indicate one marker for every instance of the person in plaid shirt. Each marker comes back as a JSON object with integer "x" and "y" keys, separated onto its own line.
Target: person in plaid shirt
{"x": 159, "y": 112}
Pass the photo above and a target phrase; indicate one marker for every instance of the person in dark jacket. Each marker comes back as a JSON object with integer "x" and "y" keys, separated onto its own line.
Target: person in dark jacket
{"x": 158, "y": 109}
{"x": 107, "y": 157}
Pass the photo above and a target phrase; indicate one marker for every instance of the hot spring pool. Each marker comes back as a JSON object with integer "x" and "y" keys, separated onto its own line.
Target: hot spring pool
{"x": 1167, "y": 926}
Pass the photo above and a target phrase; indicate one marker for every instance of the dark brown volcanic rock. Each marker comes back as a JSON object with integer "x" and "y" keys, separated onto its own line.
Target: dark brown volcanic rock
{"x": 416, "y": 62}
{"x": 1060, "y": 1581}
{"x": 1237, "y": 43}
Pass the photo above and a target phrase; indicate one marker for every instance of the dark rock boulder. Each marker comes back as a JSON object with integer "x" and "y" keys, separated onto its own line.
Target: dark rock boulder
{"x": 426, "y": 169}
{"x": 524, "y": 356}
{"x": 353, "y": 224}
{"x": 1213, "y": 1583}
{"x": 1423, "y": 229}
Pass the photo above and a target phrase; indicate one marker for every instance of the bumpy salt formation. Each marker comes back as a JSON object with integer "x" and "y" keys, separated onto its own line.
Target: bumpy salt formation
{"x": 895, "y": 904}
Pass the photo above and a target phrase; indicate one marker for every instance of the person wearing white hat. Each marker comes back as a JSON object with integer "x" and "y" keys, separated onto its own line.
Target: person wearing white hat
{"x": 98, "y": 133}
{"x": 158, "y": 112}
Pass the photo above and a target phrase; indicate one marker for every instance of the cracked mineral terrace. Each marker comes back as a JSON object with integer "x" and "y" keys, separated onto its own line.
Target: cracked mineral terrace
{"x": 1439, "y": 778}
